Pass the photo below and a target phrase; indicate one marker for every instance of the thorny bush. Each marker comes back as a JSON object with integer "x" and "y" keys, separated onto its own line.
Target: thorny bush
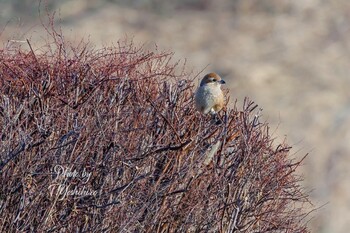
{"x": 109, "y": 141}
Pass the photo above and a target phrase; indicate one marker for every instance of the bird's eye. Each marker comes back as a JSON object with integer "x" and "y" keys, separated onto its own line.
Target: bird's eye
{"x": 212, "y": 80}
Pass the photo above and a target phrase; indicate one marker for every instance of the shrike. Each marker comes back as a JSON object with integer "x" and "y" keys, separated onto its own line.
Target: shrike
{"x": 209, "y": 97}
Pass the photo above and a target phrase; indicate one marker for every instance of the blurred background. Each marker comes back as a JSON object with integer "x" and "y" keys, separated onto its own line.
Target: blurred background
{"x": 291, "y": 57}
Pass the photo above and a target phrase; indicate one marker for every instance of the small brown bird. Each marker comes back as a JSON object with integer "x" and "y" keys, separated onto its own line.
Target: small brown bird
{"x": 209, "y": 97}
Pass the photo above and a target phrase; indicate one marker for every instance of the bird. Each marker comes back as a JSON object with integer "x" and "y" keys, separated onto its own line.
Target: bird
{"x": 209, "y": 97}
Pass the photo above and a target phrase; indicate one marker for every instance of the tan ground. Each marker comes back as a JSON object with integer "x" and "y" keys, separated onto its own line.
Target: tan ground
{"x": 291, "y": 57}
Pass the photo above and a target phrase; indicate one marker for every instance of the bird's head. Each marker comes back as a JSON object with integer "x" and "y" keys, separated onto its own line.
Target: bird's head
{"x": 212, "y": 79}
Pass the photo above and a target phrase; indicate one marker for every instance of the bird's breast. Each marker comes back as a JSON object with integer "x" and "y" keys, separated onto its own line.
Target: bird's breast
{"x": 207, "y": 97}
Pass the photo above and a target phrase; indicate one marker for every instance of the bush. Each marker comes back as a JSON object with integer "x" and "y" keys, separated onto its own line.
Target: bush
{"x": 109, "y": 141}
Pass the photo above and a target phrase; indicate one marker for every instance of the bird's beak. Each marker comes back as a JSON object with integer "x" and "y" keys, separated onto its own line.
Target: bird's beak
{"x": 222, "y": 81}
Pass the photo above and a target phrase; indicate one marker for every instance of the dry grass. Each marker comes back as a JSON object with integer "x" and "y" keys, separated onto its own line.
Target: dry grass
{"x": 124, "y": 117}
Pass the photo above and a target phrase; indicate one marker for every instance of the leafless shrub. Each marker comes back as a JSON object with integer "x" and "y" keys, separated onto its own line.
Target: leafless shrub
{"x": 125, "y": 117}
